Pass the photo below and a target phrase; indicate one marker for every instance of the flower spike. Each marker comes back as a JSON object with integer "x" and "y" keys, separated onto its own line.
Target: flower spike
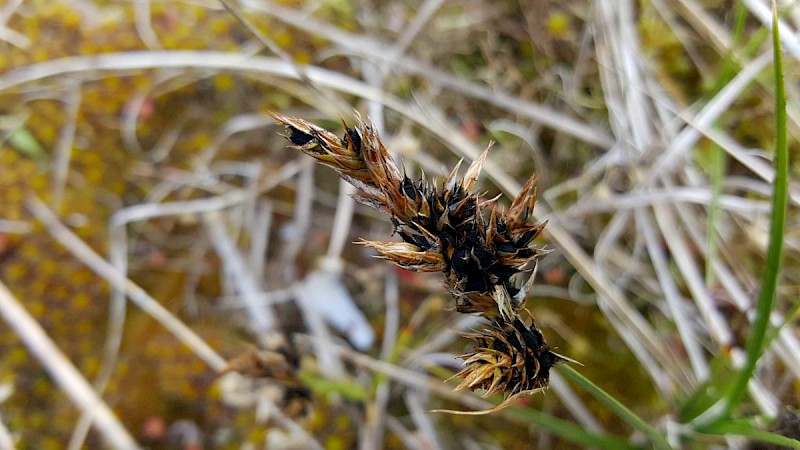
{"x": 486, "y": 254}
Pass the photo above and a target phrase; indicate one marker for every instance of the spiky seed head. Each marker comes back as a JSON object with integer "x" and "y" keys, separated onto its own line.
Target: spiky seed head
{"x": 509, "y": 357}
{"x": 345, "y": 156}
{"x": 487, "y": 255}
{"x": 488, "y": 263}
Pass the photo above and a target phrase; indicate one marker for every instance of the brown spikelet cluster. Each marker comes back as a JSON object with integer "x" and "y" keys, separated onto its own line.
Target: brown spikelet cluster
{"x": 509, "y": 357}
{"x": 486, "y": 253}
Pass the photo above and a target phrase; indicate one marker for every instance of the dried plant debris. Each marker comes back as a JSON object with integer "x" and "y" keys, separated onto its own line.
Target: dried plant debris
{"x": 277, "y": 366}
{"x": 486, "y": 253}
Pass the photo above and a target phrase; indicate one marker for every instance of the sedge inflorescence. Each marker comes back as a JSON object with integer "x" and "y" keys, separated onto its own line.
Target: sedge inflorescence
{"x": 486, "y": 253}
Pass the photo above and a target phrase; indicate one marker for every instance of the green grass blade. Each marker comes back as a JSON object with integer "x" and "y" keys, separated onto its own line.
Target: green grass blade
{"x": 568, "y": 430}
{"x": 769, "y": 283}
{"x": 324, "y": 386}
{"x": 709, "y": 392}
{"x": 744, "y": 428}
{"x": 788, "y": 319}
{"x": 731, "y": 66}
{"x": 658, "y": 440}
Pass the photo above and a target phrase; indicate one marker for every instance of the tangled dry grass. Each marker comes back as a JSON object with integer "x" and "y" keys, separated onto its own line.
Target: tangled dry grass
{"x": 139, "y": 166}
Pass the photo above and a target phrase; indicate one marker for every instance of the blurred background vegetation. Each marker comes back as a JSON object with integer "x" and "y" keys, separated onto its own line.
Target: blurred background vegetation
{"x": 650, "y": 125}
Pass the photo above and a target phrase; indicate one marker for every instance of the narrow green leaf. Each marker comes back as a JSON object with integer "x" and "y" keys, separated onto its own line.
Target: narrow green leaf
{"x": 322, "y": 385}
{"x": 568, "y": 430}
{"x": 789, "y": 318}
{"x": 769, "y": 283}
{"x": 709, "y": 392}
{"x": 658, "y": 440}
{"x": 718, "y": 156}
{"x": 746, "y": 429}
{"x": 730, "y": 66}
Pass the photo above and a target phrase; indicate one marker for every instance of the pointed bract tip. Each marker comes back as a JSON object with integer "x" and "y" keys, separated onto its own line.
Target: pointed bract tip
{"x": 474, "y": 169}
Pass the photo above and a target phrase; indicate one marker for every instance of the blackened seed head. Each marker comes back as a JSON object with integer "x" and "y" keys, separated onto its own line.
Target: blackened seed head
{"x": 526, "y": 252}
{"x": 471, "y": 233}
{"x": 455, "y": 205}
{"x": 446, "y": 241}
{"x": 505, "y": 247}
{"x": 501, "y": 227}
{"x": 532, "y": 336}
{"x": 429, "y": 223}
{"x": 298, "y": 137}
{"x": 354, "y": 138}
{"x": 414, "y": 226}
{"x": 502, "y": 272}
{"x": 533, "y": 368}
{"x": 516, "y": 383}
{"x": 460, "y": 261}
{"x": 476, "y": 281}
{"x": 408, "y": 188}
{"x": 416, "y": 239}
{"x": 533, "y": 339}
{"x": 483, "y": 257}
{"x": 527, "y": 237}
{"x": 451, "y": 207}
{"x": 424, "y": 187}
{"x": 433, "y": 198}
{"x": 500, "y": 346}
{"x": 485, "y": 340}
{"x": 511, "y": 337}
{"x": 546, "y": 361}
